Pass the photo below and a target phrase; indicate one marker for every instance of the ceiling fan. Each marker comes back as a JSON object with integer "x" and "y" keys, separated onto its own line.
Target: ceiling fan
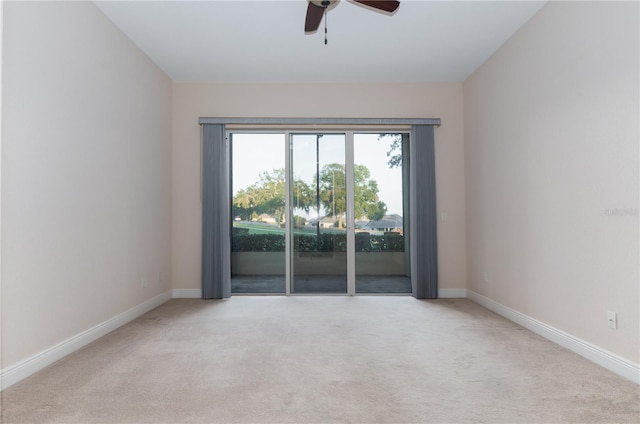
{"x": 317, "y": 9}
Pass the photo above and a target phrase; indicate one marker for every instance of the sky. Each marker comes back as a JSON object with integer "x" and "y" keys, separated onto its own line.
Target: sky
{"x": 256, "y": 153}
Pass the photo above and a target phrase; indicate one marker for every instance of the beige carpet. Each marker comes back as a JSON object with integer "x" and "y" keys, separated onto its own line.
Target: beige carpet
{"x": 322, "y": 360}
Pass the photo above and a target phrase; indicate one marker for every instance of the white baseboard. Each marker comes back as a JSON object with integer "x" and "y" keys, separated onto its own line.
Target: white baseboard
{"x": 35, "y": 363}
{"x": 186, "y": 294}
{"x": 452, "y": 293}
{"x": 604, "y": 358}
{"x": 197, "y": 293}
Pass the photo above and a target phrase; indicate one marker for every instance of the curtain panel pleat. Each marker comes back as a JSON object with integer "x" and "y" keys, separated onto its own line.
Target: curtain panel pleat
{"x": 422, "y": 200}
{"x": 216, "y": 237}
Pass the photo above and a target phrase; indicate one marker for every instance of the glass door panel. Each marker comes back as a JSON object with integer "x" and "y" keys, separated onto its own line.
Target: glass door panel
{"x": 258, "y": 213}
{"x": 318, "y": 209}
{"x": 380, "y": 182}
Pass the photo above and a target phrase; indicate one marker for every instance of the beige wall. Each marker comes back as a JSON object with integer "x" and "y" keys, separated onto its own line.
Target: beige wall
{"x": 85, "y": 175}
{"x": 194, "y": 100}
{"x": 551, "y": 151}
{"x": 1, "y": 46}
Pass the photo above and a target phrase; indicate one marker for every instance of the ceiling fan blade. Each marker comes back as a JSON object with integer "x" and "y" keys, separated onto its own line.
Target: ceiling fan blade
{"x": 387, "y": 6}
{"x": 314, "y": 17}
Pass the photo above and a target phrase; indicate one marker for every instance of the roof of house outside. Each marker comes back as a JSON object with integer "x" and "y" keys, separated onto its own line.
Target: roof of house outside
{"x": 387, "y": 221}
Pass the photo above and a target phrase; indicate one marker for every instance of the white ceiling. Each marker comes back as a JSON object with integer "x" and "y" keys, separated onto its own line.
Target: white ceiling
{"x": 264, "y": 41}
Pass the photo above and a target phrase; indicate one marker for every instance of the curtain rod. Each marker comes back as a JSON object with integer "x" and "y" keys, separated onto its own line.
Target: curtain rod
{"x": 321, "y": 121}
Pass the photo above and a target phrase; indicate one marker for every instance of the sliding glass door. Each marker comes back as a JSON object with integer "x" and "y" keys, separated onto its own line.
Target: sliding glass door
{"x": 320, "y": 213}
{"x": 258, "y": 213}
{"x": 381, "y": 179}
{"x": 318, "y": 210}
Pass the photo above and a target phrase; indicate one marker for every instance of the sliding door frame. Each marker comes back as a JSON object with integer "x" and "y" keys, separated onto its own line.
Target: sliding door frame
{"x": 348, "y": 126}
{"x": 350, "y": 219}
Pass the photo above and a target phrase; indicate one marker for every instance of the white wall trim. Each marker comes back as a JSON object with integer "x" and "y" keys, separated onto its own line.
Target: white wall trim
{"x": 197, "y": 293}
{"x": 35, "y": 363}
{"x": 186, "y": 293}
{"x": 604, "y": 358}
{"x": 452, "y": 293}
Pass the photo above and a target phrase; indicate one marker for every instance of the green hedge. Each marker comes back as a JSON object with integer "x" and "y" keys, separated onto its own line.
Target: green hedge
{"x": 244, "y": 242}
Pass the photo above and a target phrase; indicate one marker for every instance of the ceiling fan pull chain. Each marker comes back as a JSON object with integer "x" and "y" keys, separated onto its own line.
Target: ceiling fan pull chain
{"x": 325, "y": 25}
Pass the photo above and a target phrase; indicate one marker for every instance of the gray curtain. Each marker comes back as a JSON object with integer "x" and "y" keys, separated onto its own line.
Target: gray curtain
{"x": 216, "y": 238}
{"x": 422, "y": 212}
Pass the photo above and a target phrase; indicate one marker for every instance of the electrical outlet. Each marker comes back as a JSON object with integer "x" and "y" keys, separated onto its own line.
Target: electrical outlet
{"x": 485, "y": 277}
{"x": 612, "y": 320}
{"x": 143, "y": 283}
